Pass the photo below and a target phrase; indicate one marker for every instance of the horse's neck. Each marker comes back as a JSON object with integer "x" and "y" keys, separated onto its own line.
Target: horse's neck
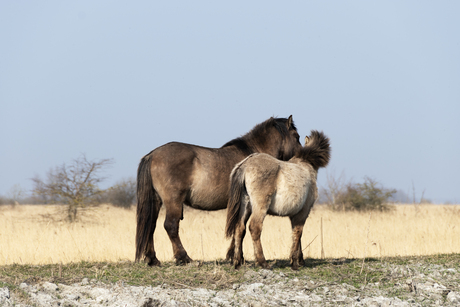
{"x": 233, "y": 154}
{"x": 266, "y": 148}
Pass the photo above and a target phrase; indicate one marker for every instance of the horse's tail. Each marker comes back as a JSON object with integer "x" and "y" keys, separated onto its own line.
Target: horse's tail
{"x": 237, "y": 188}
{"x": 148, "y": 204}
{"x": 317, "y": 151}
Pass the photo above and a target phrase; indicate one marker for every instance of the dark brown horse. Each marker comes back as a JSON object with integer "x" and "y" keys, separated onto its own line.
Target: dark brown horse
{"x": 176, "y": 174}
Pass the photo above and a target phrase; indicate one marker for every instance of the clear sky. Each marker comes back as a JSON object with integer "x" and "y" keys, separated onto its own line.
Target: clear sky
{"x": 118, "y": 79}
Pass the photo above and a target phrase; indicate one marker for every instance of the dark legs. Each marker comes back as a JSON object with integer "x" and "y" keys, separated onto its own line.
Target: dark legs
{"x": 150, "y": 255}
{"x": 174, "y": 211}
{"x": 147, "y": 215}
{"x": 231, "y": 250}
{"x": 238, "y": 236}
{"x": 172, "y": 228}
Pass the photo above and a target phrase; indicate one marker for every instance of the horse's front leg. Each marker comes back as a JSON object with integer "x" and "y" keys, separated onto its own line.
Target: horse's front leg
{"x": 173, "y": 216}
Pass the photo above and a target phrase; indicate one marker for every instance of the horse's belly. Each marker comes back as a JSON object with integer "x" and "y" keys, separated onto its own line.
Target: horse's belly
{"x": 208, "y": 197}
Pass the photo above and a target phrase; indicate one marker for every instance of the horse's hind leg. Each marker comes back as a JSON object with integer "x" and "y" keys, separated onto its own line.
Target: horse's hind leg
{"x": 297, "y": 224}
{"x": 255, "y": 227}
{"x": 296, "y": 249}
{"x": 231, "y": 250}
{"x": 238, "y": 236}
{"x": 150, "y": 255}
{"x": 174, "y": 213}
{"x": 245, "y": 213}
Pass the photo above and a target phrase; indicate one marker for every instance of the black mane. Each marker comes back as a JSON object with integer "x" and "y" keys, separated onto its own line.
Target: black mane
{"x": 246, "y": 143}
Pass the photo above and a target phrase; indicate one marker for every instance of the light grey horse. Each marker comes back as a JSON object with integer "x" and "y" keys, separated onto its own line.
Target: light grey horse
{"x": 262, "y": 184}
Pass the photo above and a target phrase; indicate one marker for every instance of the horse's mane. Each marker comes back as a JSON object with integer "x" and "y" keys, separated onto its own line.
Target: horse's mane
{"x": 247, "y": 143}
{"x": 317, "y": 152}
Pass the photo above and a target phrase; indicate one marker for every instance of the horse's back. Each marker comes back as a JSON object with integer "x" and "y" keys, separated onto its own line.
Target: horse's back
{"x": 282, "y": 186}
{"x": 260, "y": 169}
{"x": 171, "y": 155}
{"x": 199, "y": 174}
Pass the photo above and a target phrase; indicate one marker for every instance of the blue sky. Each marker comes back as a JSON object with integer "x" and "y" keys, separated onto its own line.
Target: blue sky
{"x": 116, "y": 80}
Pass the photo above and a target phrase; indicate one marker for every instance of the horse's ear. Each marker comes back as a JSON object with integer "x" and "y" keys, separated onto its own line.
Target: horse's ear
{"x": 307, "y": 139}
{"x": 289, "y": 122}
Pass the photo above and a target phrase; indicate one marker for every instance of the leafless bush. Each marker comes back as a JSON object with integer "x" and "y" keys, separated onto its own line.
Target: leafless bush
{"x": 75, "y": 185}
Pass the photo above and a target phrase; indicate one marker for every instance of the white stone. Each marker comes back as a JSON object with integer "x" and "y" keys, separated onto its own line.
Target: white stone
{"x": 453, "y": 297}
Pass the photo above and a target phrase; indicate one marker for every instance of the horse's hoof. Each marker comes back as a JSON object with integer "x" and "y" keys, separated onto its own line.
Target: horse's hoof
{"x": 230, "y": 256}
{"x": 237, "y": 264}
{"x": 302, "y": 262}
{"x": 295, "y": 267}
{"x": 265, "y": 265}
{"x": 152, "y": 261}
{"x": 183, "y": 260}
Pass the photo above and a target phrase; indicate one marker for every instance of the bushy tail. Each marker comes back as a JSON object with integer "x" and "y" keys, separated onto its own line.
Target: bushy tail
{"x": 317, "y": 151}
{"x": 148, "y": 204}
{"x": 237, "y": 188}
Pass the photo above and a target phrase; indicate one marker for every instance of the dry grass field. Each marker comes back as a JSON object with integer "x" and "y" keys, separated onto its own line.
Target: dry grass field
{"x": 27, "y": 237}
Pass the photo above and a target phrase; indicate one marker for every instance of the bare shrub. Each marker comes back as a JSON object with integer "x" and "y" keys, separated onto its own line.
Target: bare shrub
{"x": 74, "y": 185}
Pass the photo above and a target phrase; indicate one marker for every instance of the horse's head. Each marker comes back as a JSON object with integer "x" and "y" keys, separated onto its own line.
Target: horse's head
{"x": 290, "y": 143}
{"x": 275, "y": 136}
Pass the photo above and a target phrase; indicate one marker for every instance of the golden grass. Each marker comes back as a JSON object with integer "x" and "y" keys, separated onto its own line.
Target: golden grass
{"x": 26, "y": 237}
